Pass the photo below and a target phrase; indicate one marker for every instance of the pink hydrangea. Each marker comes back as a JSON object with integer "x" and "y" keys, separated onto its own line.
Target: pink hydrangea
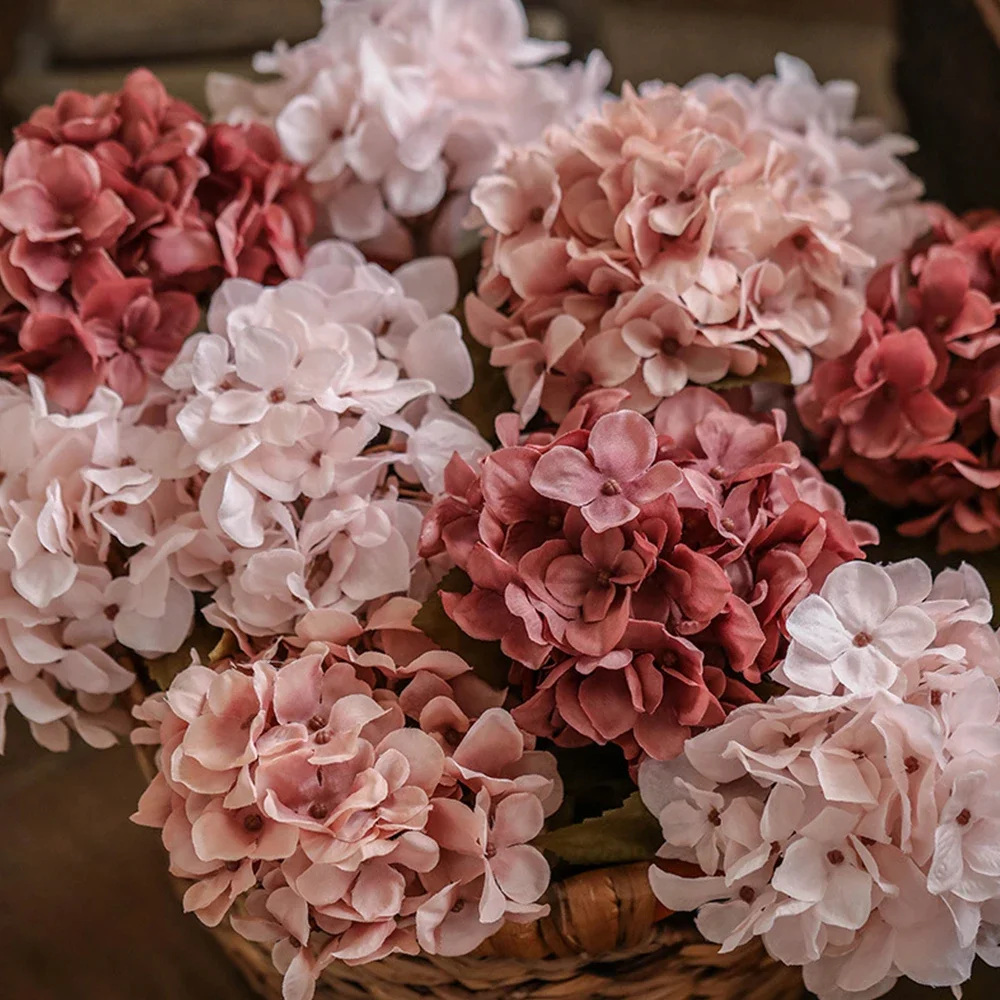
{"x": 125, "y": 191}
{"x": 638, "y": 575}
{"x": 854, "y": 157}
{"x": 396, "y": 109}
{"x": 282, "y": 402}
{"x": 361, "y": 805}
{"x": 910, "y": 411}
{"x": 667, "y": 239}
{"x": 851, "y": 823}
{"x": 87, "y": 527}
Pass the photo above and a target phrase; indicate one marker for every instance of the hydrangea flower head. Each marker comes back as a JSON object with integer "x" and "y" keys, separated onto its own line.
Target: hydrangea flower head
{"x": 851, "y": 822}
{"x": 854, "y": 157}
{"x": 909, "y": 411}
{"x": 357, "y": 804}
{"x": 282, "y": 401}
{"x": 396, "y": 109}
{"x": 101, "y": 197}
{"x": 638, "y": 574}
{"x": 667, "y": 239}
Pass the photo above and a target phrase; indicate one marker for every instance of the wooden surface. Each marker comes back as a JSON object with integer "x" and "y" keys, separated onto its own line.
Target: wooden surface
{"x": 87, "y": 909}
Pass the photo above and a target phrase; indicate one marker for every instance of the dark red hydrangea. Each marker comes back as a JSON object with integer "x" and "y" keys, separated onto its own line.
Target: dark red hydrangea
{"x": 638, "y": 574}
{"x": 913, "y": 411}
{"x": 133, "y": 185}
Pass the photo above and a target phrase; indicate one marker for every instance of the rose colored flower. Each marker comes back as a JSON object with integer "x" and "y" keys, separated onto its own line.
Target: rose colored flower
{"x": 129, "y": 187}
{"x": 262, "y": 206}
{"x": 312, "y": 773}
{"x": 632, "y": 623}
{"x": 658, "y": 244}
{"x": 136, "y": 333}
{"x": 615, "y": 477}
{"x": 62, "y": 352}
{"x": 909, "y": 412}
{"x": 395, "y": 110}
{"x": 63, "y": 220}
{"x": 850, "y": 830}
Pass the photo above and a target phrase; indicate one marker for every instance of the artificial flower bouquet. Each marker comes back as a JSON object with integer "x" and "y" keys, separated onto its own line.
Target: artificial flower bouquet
{"x": 423, "y": 609}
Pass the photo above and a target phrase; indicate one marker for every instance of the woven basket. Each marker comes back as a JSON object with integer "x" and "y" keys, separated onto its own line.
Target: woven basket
{"x": 606, "y": 938}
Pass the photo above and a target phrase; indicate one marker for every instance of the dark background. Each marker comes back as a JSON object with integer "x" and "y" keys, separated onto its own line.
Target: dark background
{"x": 86, "y": 908}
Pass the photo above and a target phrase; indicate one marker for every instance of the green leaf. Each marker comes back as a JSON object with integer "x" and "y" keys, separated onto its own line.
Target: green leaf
{"x": 211, "y": 644}
{"x": 774, "y": 369}
{"x": 628, "y": 833}
{"x": 486, "y": 658}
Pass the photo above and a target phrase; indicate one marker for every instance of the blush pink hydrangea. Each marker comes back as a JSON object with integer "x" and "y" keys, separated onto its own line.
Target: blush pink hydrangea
{"x": 851, "y": 823}
{"x": 87, "y": 528}
{"x": 667, "y": 239}
{"x": 854, "y": 157}
{"x": 297, "y": 405}
{"x": 911, "y": 411}
{"x": 638, "y": 575}
{"x": 355, "y": 804}
{"x": 396, "y": 109}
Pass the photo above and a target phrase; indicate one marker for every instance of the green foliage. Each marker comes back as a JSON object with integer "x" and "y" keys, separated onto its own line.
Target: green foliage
{"x": 618, "y": 836}
{"x": 774, "y": 369}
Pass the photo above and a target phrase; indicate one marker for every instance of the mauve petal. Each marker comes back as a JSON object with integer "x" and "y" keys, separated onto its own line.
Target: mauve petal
{"x": 127, "y": 377}
{"x": 660, "y": 479}
{"x": 569, "y": 578}
{"x": 493, "y": 742}
{"x": 27, "y": 207}
{"x": 44, "y": 264}
{"x": 865, "y": 670}
{"x": 802, "y": 874}
{"x": 607, "y": 512}
{"x": 518, "y": 819}
{"x": 71, "y": 175}
{"x": 104, "y": 219}
{"x": 220, "y": 836}
{"x": 605, "y": 697}
{"x": 906, "y": 633}
{"x": 522, "y": 872}
{"x": 264, "y": 357}
{"x": 566, "y": 474}
{"x": 665, "y": 376}
{"x": 680, "y": 893}
{"x": 847, "y": 900}
{"x": 603, "y": 549}
{"x": 623, "y": 445}
{"x": 929, "y": 415}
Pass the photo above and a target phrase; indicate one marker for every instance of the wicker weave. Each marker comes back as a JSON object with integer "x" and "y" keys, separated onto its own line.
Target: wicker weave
{"x": 604, "y": 939}
{"x": 672, "y": 964}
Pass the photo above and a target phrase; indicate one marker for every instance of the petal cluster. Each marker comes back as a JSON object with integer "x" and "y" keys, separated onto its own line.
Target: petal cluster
{"x": 668, "y": 239}
{"x": 87, "y": 528}
{"x": 396, "y": 109}
{"x": 855, "y": 158}
{"x": 638, "y": 575}
{"x": 910, "y": 411}
{"x": 298, "y": 406}
{"x": 115, "y": 209}
{"x": 852, "y": 822}
{"x": 357, "y": 803}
